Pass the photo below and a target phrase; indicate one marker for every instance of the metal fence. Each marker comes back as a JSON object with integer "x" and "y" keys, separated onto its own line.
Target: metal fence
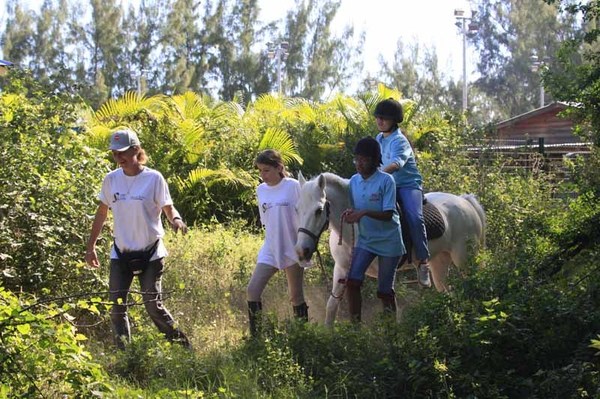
{"x": 529, "y": 155}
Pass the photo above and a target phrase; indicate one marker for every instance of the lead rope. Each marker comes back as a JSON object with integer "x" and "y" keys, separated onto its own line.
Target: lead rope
{"x": 351, "y": 255}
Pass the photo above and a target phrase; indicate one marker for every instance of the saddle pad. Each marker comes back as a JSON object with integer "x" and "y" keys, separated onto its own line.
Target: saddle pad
{"x": 434, "y": 226}
{"x": 434, "y": 222}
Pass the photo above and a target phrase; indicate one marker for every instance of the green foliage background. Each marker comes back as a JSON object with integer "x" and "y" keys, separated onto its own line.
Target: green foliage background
{"x": 521, "y": 322}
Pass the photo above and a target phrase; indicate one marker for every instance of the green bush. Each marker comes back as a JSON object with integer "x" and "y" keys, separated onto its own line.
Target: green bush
{"x": 48, "y": 187}
{"x": 41, "y": 354}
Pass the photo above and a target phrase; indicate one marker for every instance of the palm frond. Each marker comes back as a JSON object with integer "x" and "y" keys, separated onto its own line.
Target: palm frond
{"x": 114, "y": 111}
{"x": 190, "y": 105}
{"x": 410, "y": 108}
{"x": 192, "y": 134}
{"x": 387, "y": 92}
{"x": 229, "y": 110}
{"x": 281, "y": 141}
{"x": 268, "y": 102}
{"x": 353, "y": 112}
{"x": 211, "y": 177}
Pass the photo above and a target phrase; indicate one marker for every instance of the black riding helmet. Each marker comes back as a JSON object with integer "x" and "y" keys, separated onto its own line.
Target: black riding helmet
{"x": 389, "y": 109}
{"x": 369, "y": 147}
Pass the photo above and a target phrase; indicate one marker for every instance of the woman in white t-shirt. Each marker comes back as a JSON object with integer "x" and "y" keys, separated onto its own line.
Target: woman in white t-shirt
{"x": 277, "y": 197}
{"x": 137, "y": 196}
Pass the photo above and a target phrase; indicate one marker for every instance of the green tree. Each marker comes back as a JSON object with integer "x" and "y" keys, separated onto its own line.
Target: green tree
{"x": 106, "y": 43}
{"x": 17, "y": 42}
{"x": 575, "y": 79}
{"x": 416, "y": 74}
{"x": 231, "y": 33}
{"x": 180, "y": 44}
{"x": 144, "y": 25}
{"x": 510, "y": 32}
{"x": 319, "y": 62}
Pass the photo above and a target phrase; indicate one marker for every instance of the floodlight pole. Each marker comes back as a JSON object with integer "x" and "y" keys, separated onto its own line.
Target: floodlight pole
{"x": 537, "y": 65}
{"x": 472, "y": 27}
{"x": 279, "y": 53}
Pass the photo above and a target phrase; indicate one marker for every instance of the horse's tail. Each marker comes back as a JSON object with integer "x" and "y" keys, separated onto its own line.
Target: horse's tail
{"x": 480, "y": 212}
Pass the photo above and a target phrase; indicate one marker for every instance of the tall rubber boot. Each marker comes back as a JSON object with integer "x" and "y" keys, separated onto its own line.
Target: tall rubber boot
{"x": 354, "y": 300}
{"x": 254, "y": 309}
{"x": 301, "y": 311}
{"x": 389, "y": 302}
{"x": 179, "y": 337}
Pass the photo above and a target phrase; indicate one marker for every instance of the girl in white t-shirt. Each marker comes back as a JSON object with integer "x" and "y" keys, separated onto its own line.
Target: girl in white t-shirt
{"x": 277, "y": 197}
{"x": 137, "y": 196}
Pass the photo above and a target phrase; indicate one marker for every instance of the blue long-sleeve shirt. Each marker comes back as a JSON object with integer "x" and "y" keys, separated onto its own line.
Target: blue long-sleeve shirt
{"x": 395, "y": 148}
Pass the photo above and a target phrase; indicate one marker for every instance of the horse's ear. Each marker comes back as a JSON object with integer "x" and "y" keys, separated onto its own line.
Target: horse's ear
{"x": 301, "y": 179}
{"x": 321, "y": 182}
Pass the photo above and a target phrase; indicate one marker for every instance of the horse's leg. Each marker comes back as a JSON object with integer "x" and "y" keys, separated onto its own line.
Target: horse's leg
{"x": 460, "y": 256}
{"x": 440, "y": 267}
{"x": 335, "y": 297}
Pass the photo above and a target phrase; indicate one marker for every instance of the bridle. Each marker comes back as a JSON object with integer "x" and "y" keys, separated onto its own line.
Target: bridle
{"x": 317, "y": 237}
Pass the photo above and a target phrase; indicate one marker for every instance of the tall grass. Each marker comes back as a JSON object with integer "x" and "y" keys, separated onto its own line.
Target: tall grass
{"x": 503, "y": 332}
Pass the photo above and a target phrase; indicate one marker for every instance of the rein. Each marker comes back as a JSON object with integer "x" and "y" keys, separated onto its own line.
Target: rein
{"x": 317, "y": 237}
{"x": 351, "y": 255}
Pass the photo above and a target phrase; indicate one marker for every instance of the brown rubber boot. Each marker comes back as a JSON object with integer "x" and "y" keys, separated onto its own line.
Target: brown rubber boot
{"x": 354, "y": 300}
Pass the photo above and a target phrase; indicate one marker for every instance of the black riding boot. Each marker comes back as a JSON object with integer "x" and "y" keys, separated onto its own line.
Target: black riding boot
{"x": 301, "y": 311}
{"x": 354, "y": 300}
{"x": 179, "y": 337}
{"x": 388, "y": 301}
{"x": 254, "y": 309}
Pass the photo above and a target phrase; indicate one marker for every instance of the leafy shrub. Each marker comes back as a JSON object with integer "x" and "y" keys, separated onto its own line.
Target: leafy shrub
{"x": 48, "y": 185}
{"x": 41, "y": 356}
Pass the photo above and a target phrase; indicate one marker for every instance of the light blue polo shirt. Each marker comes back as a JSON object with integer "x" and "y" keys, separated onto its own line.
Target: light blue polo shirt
{"x": 377, "y": 193}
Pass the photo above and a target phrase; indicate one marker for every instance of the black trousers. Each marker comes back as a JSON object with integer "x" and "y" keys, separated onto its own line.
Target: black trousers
{"x": 150, "y": 285}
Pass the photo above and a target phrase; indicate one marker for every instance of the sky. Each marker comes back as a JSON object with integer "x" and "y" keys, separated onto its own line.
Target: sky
{"x": 430, "y": 23}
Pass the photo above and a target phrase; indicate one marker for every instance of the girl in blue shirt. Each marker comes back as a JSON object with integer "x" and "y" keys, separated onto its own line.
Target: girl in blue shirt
{"x": 399, "y": 161}
{"x": 373, "y": 201}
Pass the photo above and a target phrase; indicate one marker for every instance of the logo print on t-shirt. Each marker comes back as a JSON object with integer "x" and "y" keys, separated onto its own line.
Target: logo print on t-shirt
{"x": 119, "y": 197}
{"x": 123, "y": 197}
{"x": 375, "y": 197}
{"x": 268, "y": 205}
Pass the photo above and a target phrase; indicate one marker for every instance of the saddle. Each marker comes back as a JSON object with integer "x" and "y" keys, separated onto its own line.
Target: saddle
{"x": 434, "y": 227}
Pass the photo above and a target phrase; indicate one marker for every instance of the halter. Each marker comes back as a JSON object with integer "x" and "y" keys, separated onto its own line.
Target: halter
{"x": 317, "y": 237}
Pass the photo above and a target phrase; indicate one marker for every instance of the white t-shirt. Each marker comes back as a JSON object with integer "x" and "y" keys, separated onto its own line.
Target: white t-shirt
{"x": 277, "y": 208}
{"x": 136, "y": 203}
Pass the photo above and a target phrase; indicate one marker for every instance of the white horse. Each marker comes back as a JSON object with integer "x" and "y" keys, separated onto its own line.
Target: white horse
{"x": 324, "y": 198}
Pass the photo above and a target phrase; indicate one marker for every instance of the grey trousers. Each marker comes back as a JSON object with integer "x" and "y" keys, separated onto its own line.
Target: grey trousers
{"x": 263, "y": 273}
{"x": 150, "y": 285}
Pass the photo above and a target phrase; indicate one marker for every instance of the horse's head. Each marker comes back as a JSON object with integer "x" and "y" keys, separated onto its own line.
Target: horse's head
{"x": 313, "y": 215}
